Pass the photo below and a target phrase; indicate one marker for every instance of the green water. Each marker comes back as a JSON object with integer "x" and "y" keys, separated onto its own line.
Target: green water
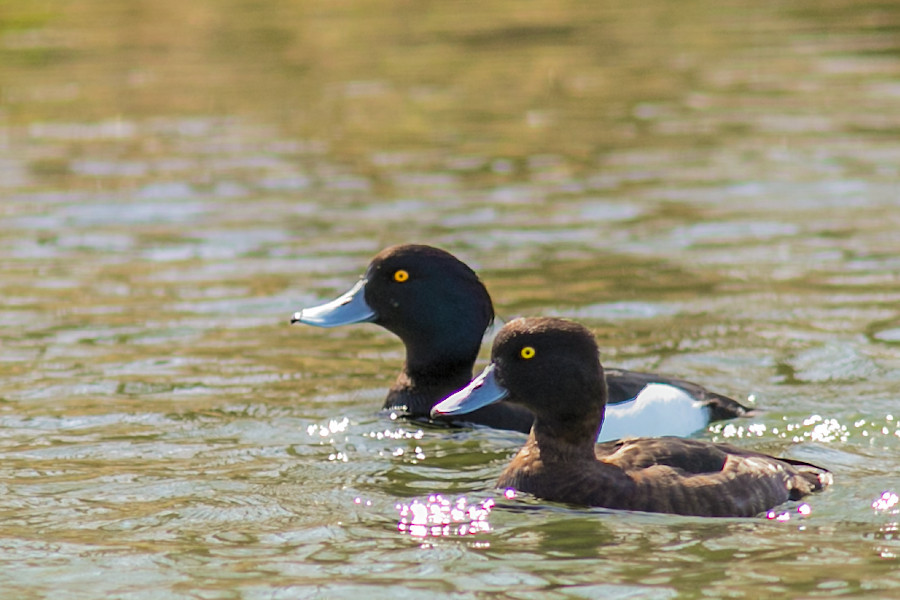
{"x": 711, "y": 187}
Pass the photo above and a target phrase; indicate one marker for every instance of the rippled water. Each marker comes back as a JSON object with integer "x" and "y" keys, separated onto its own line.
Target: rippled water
{"x": 712, "y": 188}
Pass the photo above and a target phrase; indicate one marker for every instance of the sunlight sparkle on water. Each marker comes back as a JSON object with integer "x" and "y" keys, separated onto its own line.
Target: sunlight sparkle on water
{"x": 417, "y": 453}
{"x": 818, "y": 429}
{"x": 887, "y": 501}
{"x": 804, "y": 510}
{"x": 873, "y": 428}
{"x": 440, "y": 517}
{"x": 730, "y": 430}
{"x": 333, "y": 426}
{"x": 888, "y": 533}
{"x": 814, "y": 428}
{"x": 399, "y": 434}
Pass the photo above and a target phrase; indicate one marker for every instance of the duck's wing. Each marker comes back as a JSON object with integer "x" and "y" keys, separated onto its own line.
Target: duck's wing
{"x": 624, "y": 385}
{"x": 687, "y": 455}
{"x": 666, "y": 475}
{"x": 699, "y": 478}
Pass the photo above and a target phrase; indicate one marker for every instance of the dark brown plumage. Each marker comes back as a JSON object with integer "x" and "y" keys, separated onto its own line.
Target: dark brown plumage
{"x": 551, "y": 366}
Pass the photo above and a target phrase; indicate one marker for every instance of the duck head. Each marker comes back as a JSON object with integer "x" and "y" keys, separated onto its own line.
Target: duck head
{"x": 426, "y": 296}
{"x": 551, "y": 367}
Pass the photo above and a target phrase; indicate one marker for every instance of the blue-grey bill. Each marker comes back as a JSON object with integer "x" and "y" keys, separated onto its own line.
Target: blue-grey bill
{"x": 349, "y": 308}
{"x": 480, "y": 392}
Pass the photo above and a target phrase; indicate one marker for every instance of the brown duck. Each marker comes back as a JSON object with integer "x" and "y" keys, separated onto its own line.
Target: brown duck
{"x": 551, "y": 366}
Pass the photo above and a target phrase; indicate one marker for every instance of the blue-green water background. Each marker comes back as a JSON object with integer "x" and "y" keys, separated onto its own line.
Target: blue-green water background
{"x": 712, "y": 187}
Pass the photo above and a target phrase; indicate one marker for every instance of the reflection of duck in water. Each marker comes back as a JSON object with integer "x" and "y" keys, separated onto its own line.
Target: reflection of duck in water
{"x": 440, "y": 310}
{"x": 551, "y": 367}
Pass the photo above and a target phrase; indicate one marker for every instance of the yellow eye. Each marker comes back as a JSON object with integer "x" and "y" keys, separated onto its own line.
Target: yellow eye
{"x": 527, "y": 352}
{"x": 401, "y": 276}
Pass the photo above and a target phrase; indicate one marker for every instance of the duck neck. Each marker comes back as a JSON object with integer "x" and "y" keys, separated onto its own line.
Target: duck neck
{"x": 435, "y": 356}
{"x": 419, "y": 387}
{"x": 569, "y": 439}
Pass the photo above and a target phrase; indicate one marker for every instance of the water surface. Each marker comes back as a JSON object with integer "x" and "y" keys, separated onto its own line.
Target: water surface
{"x": 711, "y": 188}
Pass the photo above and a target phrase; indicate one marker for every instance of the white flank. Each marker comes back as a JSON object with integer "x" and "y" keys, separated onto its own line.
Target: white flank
{"x": 658, "y": 410}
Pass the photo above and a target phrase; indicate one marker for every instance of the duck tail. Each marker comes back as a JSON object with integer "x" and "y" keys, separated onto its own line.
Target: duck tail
{"x": 722, "y": 408}
{"x": 810, "y": 478}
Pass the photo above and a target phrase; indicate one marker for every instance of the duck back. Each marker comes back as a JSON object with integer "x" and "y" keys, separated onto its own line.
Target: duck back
{"x": 669, "y": 475}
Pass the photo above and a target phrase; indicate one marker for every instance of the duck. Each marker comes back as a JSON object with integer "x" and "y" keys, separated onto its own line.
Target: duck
{"x": 440, "y": 309}
{"x": 551, "y": 367}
